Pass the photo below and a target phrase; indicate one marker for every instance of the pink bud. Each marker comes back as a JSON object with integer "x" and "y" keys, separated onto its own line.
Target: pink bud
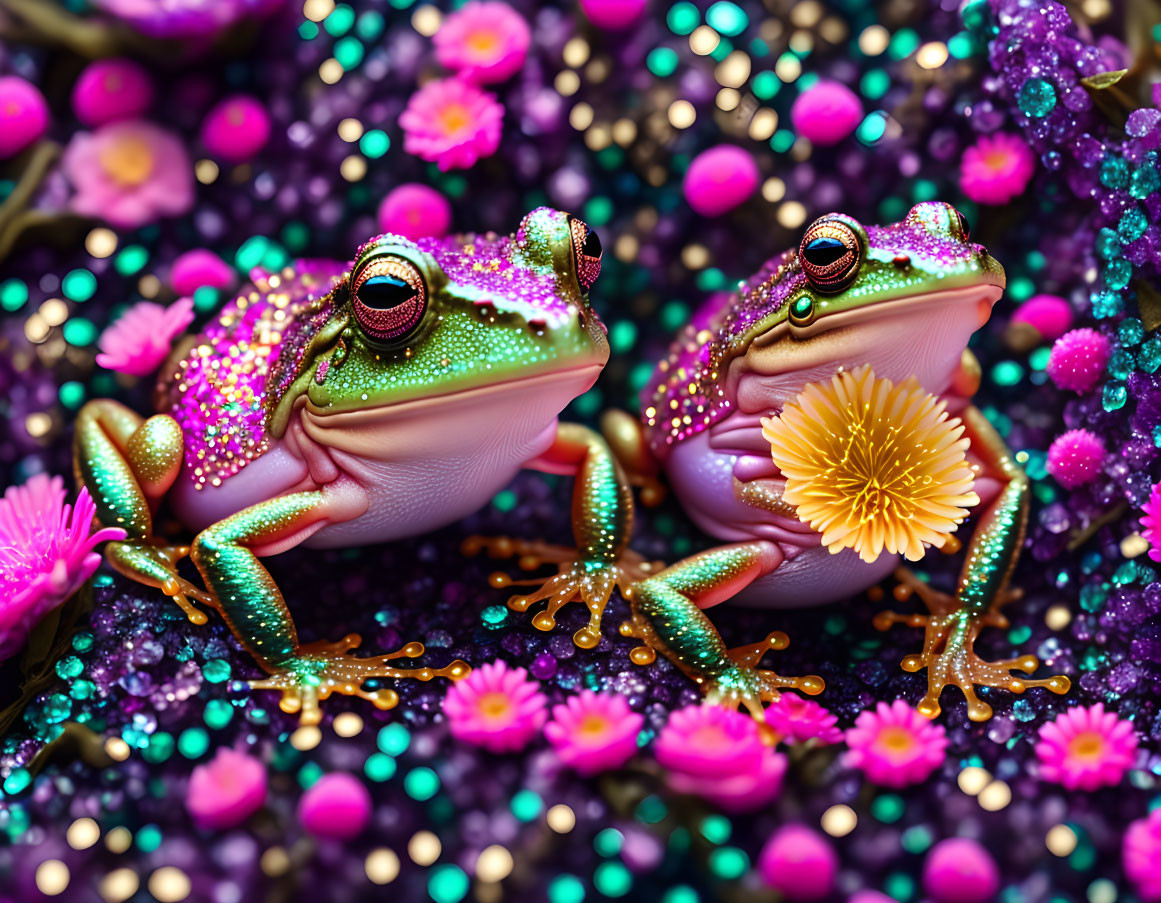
{"x": 826, "y": 113}
{"x": 198, "y": 268}
{"x": 336, "y": 805}
{"x": 226, "y": 790}
{"x": 236, "y": 128}
{"x": 111, "y": 89}
{"x": 23, "y": 115}
{"x": 799, "y": 863}
{"x": 415, "y": 211}
{"x": 719, "y": 179}
{"x": 959, "y": 870}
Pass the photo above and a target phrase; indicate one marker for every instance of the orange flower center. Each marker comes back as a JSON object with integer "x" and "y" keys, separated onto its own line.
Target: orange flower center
{"x": 996, "y": 159}
{"x": 127, "y": 161}
{"x": 1089, "y": 746}
{"x": 894, "y": 740}
{"x": 593, "y": 725}
{"x": 495, "y": 705}
{"x": 482, "y": 42}
{"x": 453, "y": 118}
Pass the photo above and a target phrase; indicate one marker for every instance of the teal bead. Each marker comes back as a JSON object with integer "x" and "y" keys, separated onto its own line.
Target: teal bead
{"x": 1118, "y": 273}
{"x": 1114, "y": 173}
{"x": 1149, "y": 357}
{"x": 1132, "y": 225}
{"x": 1114, "y": 396}
{"x": 1037, "y": 98}
{"x": 1121, "y": 364}
{"x": 1106, "y": 304}
{"x": 1108, "y": 244}
{"x": 1130, "y": 331}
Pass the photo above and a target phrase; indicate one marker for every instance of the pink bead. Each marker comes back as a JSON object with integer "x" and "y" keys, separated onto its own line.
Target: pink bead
{"x": 1049, "y": 315}
{"x": 226, "y": 790}
{"x": 1075, "y": 458}
{"x": 799, "y": 863}
{"x": 111, "y": 89}
{"x": 415, "y": 211}
{"x": 198, "y": 268}
{"x": 826, "y": 113}
{"x": 236, "y": 128}
{"x": 719, "y": 179}
{"x": 336, "y": 805}
{"x": 613, "y": 14}
{"x": 23, "y": 115}
{"x": 959, "y": 870}
{"x": 1078, "y": 359}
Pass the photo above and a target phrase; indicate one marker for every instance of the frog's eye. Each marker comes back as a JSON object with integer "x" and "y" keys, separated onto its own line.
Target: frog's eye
{"x": 830, "y": 253}
{"x": 586, "y": 253}
{"x": 389, "y": 297}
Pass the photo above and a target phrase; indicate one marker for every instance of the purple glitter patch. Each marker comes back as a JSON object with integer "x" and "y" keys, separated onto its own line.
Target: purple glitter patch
{"x": 221, "y": 393}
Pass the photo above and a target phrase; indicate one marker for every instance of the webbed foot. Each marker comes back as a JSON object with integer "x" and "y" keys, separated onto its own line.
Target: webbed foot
{"x": 948, "y": 649}
{"x": 319, "y": 669}
{"x": 590, "y": 581}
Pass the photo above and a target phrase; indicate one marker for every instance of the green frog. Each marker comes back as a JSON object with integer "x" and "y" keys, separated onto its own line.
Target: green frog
{"x": 334, "y": 404}
{"x": 904, "y": 298}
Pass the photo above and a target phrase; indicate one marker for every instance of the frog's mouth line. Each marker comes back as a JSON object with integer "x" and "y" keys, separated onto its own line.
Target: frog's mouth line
{"x": 410, "y": 407}
{"x": 983, "y": 294}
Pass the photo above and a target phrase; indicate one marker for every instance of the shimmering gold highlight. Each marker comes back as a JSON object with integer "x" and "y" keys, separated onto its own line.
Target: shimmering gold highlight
{"x": 873, "y": 466}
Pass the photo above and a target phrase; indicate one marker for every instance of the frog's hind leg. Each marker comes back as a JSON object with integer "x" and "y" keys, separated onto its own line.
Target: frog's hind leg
{"x": 128, "y": 464}
{"x": 226, "y": 555}
{"x": 667, "y": 616}
{"x": 954, "y": 622}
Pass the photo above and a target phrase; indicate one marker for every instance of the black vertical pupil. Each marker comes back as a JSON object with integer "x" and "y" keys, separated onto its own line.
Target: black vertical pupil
{"x": 821, "y": 252}
{"x": 592, "y": 246}
{"x": 963, "y": 225}
{"x": 385, "y": 292}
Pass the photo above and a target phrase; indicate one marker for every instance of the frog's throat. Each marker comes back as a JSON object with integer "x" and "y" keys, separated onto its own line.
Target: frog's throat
{"x": 982, "y": 294}
{"x": 580, "y": 377}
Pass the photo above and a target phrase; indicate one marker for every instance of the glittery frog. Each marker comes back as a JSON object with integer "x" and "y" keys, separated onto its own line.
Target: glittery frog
{"x": 904, "y": 298}
{"x": 336, "y": 404}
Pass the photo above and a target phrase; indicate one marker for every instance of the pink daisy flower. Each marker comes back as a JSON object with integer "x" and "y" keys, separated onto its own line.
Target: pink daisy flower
{"x": 141, "y": 337}
{"x": 1151, "y": 523}
{"x": 47, "y": 551}
{"x": 894, "y": 745}
{"x": 227, "y": 790}
{"x": 1086, "y": 748}
{"x": 483, "y": 42}
{"x": 1141, "y": 855}
{"x": 996, "y": 169}
{"x": 718, "y": 754}
{"x": 798, "y": 720}
{"x": 129, "y": 173}
{"x": 452, "y": 123}
{"x": 594, "y": 732}
{"x": 496, "y": 707}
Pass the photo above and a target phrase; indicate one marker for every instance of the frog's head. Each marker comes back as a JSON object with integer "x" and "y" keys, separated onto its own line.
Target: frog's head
{"x": 436, "y": 318}
{"x": 906, "y": 296}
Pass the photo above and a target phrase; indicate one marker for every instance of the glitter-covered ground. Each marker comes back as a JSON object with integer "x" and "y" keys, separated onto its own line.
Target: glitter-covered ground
{"x": 594, "y": 124}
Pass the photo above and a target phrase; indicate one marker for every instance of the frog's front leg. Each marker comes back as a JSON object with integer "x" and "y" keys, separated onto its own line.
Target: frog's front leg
{"x": 667, "y": 616}
{"x": 602, "y": 521}
{"x": 226, "y": 555}
{"x": 128, "y": 464}
{"x": 953, "y": 623}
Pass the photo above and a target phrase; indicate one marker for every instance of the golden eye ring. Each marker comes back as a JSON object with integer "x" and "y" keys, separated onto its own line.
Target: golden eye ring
{"x": 830, "y": 254}
{"x": 389, "y": 298}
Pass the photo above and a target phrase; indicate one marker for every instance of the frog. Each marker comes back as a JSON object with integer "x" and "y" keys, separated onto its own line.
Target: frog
{"x": 332, "y": 404}
{"x": 904, "y": 298}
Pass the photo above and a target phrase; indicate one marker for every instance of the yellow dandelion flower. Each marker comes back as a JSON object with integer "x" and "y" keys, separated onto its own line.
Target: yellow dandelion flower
{"x": 872, "y": 465}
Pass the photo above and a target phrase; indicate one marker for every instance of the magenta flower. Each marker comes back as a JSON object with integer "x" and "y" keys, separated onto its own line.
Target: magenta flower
{"x": 798, "y": 720}
{"x": 1141, "y": 855}
{"x": 185, "y": 19}
{"x": 496, "y": 707}
{"x": 594, "y": 732}
{"x": 718, "y": 754}
{"x": 129, "y": 173}
{"x": 1086, "y": 748}
{"x": 1151, "y": 522}
{"x": 141, "y": 337}
{"x": 336, "y": 805}
{"x": 47, "y": 551}
{"x": 1074, "y": 458}
{"x": 894, "y": 745}
{"x": 227, "y": 790}
{"x": 1078, "y": 358}
{"x": 483, "y": 42}
{"x": 996, "y": 169}
{"x": 452, "y": 123}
